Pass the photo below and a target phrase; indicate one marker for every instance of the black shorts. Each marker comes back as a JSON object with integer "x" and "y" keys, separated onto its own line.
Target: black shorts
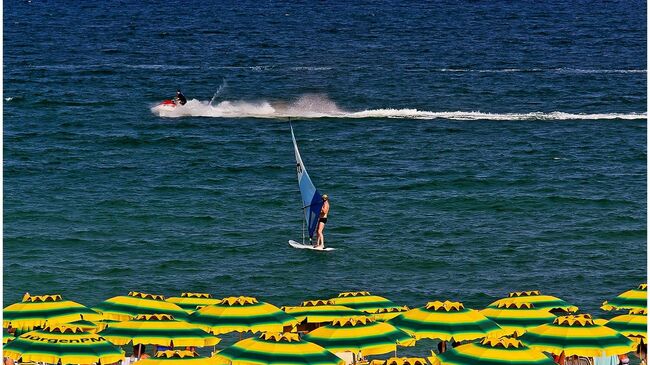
{"x": 322, "y": 220}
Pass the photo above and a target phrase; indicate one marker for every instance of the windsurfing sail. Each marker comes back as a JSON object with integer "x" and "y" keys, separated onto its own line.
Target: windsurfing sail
{"x": 312, "y": 200}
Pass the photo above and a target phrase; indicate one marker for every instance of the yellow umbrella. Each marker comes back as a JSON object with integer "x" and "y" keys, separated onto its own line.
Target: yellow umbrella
{"x": 64, "y": 343}
{"x": 577, "y": 335}
{"x": 492, "y": 351}
{"x": 241, "y": 314}
{"x": 363, "y": 301}
{"x": 190, "y": 301}
{"x": 400, "y": 361}
{"x": 540, "y": 301}
{"x": 320, "y": 311}
{"x": 386, "y": 314}
{"x": 125, "y": 307}
{"x": 516, "y": 317}
{"x": 446, "y": 321}
{"x": 172, "y": 357}
{"x": 633, "y": 325}
{"x": 631, "y": 299}
{"x": 158, "y": 329}
{"x": 39, "y": 310}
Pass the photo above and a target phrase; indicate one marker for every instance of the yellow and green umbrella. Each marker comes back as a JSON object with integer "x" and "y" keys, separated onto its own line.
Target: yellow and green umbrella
{"x": 241, "y": 314}
{"x": 176, "y": 357}
{"x": 68, "y": 344}
{"x": 320, "y": 311}
{"x": 631, "y": 299}
{"x": 577, "y": 335}
{"x": 277, "y": 349}
{"x": 125, "y": 307}
{"x": 492, "y": 351}
{"x": 446, "y": 321}
{"x": 189, "y": 301}
{"x": 536, "y": 298}
{"x": 7, "y": 338}
{"x": 361, "y": 335}
{"x": 158, "y": 329}
{"x": 386, "y": 314}
{"x": 400, "y": 361}
{"x": 36, "y": 311}
{"x": 517, "y": 317}
{"x": 633, "y": 325}
{"x": 363, "y": 301}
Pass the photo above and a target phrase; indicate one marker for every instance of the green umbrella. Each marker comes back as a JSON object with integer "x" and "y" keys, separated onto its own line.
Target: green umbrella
{"x": 539, "y": 300}
{"x": 360, "y": 335}
{"x": 492, "y": 351}
{"x": 277, "y": 349}
{"x": 241, "y": 314}
{"x": 68, "y": 344}
{"x": 39, "y": 310}
{"x": 125, "y": 307}
{"x": 517, "y": 317}
{"x": 446, "y": 321}
{"x": 631, "y": 299}
{"x": 577, "y": 335}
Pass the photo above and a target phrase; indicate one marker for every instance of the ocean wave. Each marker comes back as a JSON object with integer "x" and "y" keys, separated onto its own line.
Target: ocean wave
{"x": 319, "y": 106}
{"x": 549, "y": 70}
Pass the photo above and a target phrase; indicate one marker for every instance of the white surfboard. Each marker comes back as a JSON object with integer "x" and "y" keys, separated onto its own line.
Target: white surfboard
{"x": 301, "y": 246}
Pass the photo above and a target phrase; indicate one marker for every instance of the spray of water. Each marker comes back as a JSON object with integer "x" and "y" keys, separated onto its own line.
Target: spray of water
{"x": 320, "y": 106}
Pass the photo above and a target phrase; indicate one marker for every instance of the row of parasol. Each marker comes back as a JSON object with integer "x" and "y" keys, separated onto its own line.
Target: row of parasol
{"x": 517, "y": 329}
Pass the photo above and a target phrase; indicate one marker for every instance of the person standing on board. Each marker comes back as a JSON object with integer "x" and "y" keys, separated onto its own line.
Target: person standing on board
{"x": 320, "y": 238}
{"x": 180, "y": 98}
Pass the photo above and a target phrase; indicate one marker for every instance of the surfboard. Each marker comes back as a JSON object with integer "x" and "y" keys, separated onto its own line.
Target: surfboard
{"x": 300, "y": 246}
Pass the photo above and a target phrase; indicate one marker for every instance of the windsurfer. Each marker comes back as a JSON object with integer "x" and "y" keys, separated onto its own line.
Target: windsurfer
{"x": 320, "y": 237}
{"x": 180, "y": 98}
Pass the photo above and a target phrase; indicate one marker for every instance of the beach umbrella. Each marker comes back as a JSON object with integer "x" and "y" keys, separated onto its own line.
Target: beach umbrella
{"x": 241, "y": 314}
{"x": 386, "y": 314}
{"x": 400, "y": 361}
{"x": 7, "y": 338}
{"x": 125, "y": 307}
{"x": 361, "y": 335}
{"x": 536, "y": 298}
{"x": 446, "y": 321}
{"x": 88, "y": 326}
{"x": 39, "y": 310}
{"x": 517, "y": 317}
{"x": 577, "y": 335}
{"x": 158, "y": 329}
{"x": 363, "y": 301}
{"x": 320, "y": 311}
{"x": 633, "y": 325}
{"x": 176, "y": 357}
{"x": 65, "y": 343}
{"x": 492, "y": 351}
{"x": 631, "y": 299}
{"x": 276, "y": 349}
{"x": 189, "y": 301}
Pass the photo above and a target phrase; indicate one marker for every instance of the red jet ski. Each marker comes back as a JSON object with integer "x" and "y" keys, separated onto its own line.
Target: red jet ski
{"x": 168, "y": 104}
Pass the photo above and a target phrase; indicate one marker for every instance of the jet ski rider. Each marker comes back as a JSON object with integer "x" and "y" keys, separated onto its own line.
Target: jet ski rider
{"x": 180, "y": 98}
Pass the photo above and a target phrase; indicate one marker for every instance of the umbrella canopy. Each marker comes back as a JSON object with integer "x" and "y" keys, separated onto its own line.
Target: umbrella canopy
{"x": 517, "y": 317}
{"x": 320, "y": 311}
{"x": 386, "y": 314}
{"x": 400, "y": 361}
{"x": 633, "y": 325}
{"x": 536, "y": 298}
{"x": 7, "y": 338}
{"x": 241, "y": 314}
{"x": 35, "y": 311}
{"x": 363, "y": 301}
{"x": 158, "y": 329}
{"x": 68, "y": 344}
{"x": 277, "y": 349}
{"x": 125, "y": 307}
{"x": 577, "y": 335}
{"x": 492, "y": 351}
{"x": 360, "y": 335}
{"x": 172, "y": 357}
{"x": 189, "y": 301}
{"x": 88, "y": 326}
{"x": 446, "y": 321}
{"x": 631, "y": 299}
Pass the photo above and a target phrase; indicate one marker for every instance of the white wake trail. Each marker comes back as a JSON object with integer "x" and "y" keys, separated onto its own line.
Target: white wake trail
{"x": 319, "y": 106}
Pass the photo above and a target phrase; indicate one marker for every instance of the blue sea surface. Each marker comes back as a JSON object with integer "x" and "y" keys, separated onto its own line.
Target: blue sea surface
{"x": 469, "y": 149}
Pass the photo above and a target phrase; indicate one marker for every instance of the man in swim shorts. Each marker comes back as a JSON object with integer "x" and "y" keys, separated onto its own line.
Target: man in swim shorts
{"x": 320, "y": 238}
